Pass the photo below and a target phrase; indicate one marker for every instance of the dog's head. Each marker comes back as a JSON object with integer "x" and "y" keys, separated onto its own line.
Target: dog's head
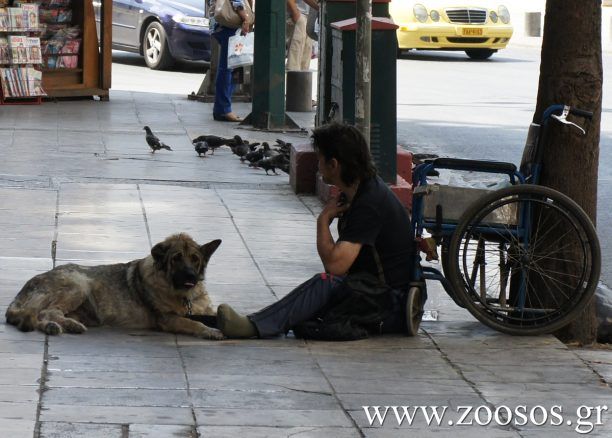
{"x": 183, "y": 260}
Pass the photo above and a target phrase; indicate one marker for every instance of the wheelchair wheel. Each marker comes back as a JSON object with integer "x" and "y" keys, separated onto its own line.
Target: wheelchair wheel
{"x": 444, "y": 258}
{"x": 526, "y": 260}
{"x": 414, "y": 311}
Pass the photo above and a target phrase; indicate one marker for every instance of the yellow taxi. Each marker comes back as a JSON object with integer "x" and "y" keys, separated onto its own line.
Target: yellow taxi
{"x": 480, "y": 27}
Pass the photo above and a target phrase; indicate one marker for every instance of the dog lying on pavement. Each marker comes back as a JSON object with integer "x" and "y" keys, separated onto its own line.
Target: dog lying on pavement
{"x": 159, "y": 292}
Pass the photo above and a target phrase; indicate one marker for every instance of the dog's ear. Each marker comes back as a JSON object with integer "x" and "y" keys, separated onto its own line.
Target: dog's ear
{"x": 159, "y": 252}
{"x": 209, "y": 248}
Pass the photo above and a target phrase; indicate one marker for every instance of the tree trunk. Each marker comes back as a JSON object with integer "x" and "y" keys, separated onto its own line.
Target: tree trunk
{"x": 571, "y": 74}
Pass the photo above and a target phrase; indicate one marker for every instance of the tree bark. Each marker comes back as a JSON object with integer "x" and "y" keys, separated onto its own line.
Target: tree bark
{"x": 571, "y": 74}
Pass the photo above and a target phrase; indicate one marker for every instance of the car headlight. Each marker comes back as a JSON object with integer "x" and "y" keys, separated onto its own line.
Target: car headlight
{"x": 434, "y": 15}
{"x": 191, "y": 21}
{"x": 504, "y": 14}
{"x": 493, "y": 16}
{"x": 420, "y": 12}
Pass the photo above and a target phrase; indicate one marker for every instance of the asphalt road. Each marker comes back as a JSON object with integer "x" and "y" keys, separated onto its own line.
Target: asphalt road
{"x": 130, "y": 73}
{"x": 452, "y": 106}
{"x": 447, "y": 104}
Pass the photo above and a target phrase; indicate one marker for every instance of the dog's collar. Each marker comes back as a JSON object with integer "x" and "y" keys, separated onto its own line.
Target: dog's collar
{"x": 188, "y": 305}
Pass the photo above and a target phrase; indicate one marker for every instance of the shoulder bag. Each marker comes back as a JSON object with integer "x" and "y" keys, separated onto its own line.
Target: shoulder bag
{"x": 226, "y": 16}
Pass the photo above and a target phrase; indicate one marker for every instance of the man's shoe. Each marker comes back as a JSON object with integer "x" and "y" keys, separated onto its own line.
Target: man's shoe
{"x": 229, "y": 117}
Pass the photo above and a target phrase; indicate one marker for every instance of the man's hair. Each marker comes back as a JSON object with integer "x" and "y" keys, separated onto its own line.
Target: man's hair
{"x": 347, "y": 145}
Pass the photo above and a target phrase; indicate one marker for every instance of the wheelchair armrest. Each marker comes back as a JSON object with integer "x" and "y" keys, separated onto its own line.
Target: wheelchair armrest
{"x": 474, "y": 165}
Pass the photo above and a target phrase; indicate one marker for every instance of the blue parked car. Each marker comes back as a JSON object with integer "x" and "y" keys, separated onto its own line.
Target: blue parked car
{"x": 163, "y": 31}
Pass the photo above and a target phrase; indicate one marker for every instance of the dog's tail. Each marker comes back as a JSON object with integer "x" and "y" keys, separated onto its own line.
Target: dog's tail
{"x": 24, "y": 321}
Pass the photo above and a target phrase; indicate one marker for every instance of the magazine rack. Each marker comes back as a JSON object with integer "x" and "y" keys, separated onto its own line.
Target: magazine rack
{"x": 20, "y": 56}
{"x": 92, "y": 76}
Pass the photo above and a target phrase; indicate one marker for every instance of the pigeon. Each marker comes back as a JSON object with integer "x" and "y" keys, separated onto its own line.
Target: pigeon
{"x": 283, "y": 146}
{"x": 213, "y": 141}
{"x": 201, "y": 147}
{"x": 154, "y": 143}
{"x": 282, "y": 142}
{"x": 253, "y": 156}
{"x": 267, "y": 164}
{"x": 281, "y": 162}
{"x": 235, "y": 141}
{"x": 267, "y": 152}
{"x": 241, "y": 150}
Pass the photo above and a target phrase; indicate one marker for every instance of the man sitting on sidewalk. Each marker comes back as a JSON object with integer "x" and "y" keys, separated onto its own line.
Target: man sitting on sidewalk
{"x": 373, "y": 233}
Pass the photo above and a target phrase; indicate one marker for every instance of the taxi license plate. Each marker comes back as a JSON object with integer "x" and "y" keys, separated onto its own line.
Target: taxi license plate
{"x": 469, "y": 31}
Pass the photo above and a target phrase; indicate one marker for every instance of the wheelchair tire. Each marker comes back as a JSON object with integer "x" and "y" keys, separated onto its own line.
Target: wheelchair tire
{"x": 414, "y": 311}
{"x": 444, "y": 259}
{"x": 519, "y": 279}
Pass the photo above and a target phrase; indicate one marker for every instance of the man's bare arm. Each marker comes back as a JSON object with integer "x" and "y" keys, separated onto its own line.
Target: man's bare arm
{"x": 337, "y": 257}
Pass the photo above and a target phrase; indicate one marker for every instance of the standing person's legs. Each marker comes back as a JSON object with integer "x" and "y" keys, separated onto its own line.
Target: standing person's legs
{"x": 306, "y": 54}
{"x": 299, "y": 305}
{"x": 224, "y": 86}
{"x": 297, "y": 45}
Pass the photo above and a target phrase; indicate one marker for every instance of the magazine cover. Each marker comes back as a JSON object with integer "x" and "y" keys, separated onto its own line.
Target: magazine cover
{"x": 35, "y": 82}
{"x": 5, "y": 53}
{"x": 15, "y": 18}
{"x": 4, "y": 19}
{"x": 30, "y": 15}
{"x": 64, "y": 16}
{"x": 33, "y": 50}
{"x": 5, "y": 82}
{"x": 19, "y": 53}
{"x": 48, "y": 15}
{"x": 71, "y": 61}
{"x": 71, "y": 47}
{"x": 21, "y": 81}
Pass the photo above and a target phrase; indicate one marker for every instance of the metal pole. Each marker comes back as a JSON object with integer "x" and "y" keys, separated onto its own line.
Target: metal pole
{"x": 363, "y": 67}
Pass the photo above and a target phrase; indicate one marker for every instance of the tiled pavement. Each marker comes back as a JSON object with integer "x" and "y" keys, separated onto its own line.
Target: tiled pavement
{"x": 78, "y": 184}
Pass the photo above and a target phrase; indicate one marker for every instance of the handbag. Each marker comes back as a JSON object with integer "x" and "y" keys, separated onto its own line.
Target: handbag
{"x": 240, "y": 50}
{"x": 226, "y": 15}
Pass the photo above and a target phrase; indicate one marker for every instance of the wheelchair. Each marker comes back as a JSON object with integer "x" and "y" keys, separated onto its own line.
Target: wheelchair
{"x": 524, "y": 259}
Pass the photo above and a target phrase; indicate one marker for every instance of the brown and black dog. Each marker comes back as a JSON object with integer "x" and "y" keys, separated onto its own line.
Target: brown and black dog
{"x": 159, "y": 292}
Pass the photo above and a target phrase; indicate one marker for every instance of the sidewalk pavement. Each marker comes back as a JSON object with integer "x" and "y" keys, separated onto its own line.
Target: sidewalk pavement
{"x": 78, "y": 184}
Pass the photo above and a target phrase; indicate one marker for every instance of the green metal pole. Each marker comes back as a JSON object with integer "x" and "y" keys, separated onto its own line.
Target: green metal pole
{"x": 268, "y": 84}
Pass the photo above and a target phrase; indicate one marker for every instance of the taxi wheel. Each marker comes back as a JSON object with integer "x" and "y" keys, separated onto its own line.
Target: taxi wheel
{"x": 480, "y": 53}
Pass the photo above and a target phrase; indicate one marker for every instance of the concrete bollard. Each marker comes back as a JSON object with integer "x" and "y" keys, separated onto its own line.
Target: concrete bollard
{"x": 299, "y": 91}
{"x": 533, "y": 24}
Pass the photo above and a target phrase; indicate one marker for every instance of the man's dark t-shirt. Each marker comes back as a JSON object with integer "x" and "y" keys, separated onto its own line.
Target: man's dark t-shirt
{"x": 376, "y": 218}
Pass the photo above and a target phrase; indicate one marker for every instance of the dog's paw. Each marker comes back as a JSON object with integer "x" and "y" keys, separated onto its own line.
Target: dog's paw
{"x": 53, "y": 328}
{"x": 214, "y": 334}
{"x": 74, "y": 326}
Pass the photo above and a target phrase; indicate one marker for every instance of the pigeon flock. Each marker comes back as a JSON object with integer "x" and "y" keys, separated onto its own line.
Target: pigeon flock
{"x": 258, "y": 155}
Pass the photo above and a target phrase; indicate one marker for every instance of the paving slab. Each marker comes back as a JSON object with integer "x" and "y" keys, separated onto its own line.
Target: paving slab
{"x": 116, "y": 414}
{"x": 58, "y": 429}
{"x": 258, "y": 417}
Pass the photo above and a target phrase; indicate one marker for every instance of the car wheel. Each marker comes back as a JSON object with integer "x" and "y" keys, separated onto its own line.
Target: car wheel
{"x": 480, "y": 53}
{"x": 155, "y": 47}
